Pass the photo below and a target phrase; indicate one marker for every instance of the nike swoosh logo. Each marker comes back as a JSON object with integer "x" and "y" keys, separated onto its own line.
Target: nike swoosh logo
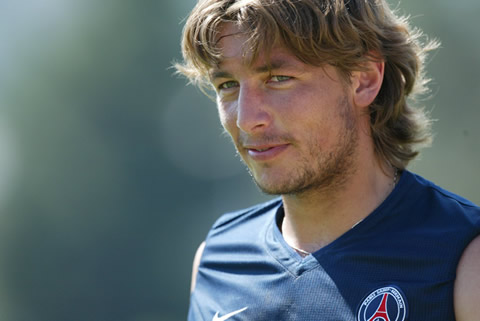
{"x": 228, "y": 316}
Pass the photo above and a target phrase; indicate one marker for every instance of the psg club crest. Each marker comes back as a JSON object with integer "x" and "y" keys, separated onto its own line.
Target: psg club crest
{"x": 384, "y": 304}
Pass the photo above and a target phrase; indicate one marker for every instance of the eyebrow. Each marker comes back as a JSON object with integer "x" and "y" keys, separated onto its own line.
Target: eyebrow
{"x": 272, "y": 65}
{"x": 219, "y": 74}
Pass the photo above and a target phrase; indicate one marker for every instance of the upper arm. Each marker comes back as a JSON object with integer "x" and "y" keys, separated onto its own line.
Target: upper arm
{"x": 196, "y": 263}
{"x": 467, "y": 284}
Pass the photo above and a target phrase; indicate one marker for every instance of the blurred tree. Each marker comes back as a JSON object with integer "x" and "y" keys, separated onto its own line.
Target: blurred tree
{"x": 115, "y": 170}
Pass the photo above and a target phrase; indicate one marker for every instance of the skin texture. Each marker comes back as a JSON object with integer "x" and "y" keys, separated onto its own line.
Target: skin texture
{"x": 467, "y": 284}
{"x": 316, "y": 141}
{"x": 196, "y": 263}
{"x": 304, "y": 133}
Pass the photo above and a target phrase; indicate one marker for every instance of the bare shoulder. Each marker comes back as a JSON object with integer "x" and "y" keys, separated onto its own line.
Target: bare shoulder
{"x": 196, "y": 263}
{"x": 467, "y": 284}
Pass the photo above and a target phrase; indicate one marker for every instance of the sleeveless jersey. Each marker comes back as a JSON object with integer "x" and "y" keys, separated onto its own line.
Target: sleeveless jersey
{"x": 398, "y": 264}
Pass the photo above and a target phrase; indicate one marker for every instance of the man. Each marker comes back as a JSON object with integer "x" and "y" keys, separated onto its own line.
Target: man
{"x": 314, "y": 95}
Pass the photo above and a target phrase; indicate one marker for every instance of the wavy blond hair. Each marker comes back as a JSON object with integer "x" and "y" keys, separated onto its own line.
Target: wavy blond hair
{"x": 341, "y": 33}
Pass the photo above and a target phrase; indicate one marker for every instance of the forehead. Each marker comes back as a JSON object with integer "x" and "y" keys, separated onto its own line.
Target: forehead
{"x": 232, "y": 41}
{"x": 236, "y": 49}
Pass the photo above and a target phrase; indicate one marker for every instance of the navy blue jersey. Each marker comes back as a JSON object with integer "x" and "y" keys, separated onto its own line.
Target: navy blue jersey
{"x": 398, "y": 264}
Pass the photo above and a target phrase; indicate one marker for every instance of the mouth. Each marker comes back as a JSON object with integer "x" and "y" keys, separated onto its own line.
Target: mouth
{"x": 266, "y": 152}
{"x": 260, "y": 149}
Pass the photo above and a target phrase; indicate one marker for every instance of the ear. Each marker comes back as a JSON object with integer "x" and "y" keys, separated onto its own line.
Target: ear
{"x": 366, "y": 84}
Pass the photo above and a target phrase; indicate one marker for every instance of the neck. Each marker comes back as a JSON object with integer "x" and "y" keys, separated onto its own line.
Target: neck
{"x": 317, "y": 217}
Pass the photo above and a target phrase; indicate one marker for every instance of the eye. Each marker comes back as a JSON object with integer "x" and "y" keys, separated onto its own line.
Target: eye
{"x": 227, "y": 85}
{"x": 279, "y": 78}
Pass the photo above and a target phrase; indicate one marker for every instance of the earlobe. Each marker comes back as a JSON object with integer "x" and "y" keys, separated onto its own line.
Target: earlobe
{"x": 367, "y": 83}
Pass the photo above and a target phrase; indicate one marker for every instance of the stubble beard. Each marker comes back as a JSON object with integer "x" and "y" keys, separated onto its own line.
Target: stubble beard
{"x": 320, "y": 171}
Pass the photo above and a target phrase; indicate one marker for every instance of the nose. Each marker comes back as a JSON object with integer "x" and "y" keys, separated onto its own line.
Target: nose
{"x": 253, "y": 113}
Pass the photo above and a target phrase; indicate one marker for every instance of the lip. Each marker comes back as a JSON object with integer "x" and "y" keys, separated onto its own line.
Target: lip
{"x": 265, "y": 152}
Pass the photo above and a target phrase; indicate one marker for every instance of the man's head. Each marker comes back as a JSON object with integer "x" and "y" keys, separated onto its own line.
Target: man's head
{"x": 345, "y": 35}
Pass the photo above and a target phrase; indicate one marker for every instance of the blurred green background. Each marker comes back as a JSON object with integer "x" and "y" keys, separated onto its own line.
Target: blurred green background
{"x": 112, "y": 170}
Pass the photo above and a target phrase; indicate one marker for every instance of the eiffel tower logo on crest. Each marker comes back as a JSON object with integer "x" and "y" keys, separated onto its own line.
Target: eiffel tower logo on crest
{"x": 384, "y": 304}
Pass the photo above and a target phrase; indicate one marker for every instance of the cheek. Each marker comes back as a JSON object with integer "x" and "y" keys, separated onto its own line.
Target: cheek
{"x": 317, "y": 119}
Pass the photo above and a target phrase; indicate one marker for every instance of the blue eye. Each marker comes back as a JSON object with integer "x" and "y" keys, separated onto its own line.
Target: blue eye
{"x": 280, "y": 78}
{"x": 228, "y": 85}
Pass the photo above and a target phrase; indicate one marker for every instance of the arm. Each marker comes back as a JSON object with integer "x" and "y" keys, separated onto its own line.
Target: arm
{"x": 467, "y": 284}
{"x": 196, "y": 263}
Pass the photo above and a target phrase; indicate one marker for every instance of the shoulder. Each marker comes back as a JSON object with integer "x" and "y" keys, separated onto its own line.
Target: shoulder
{"x": 431, "y": 198}
{"x": 196, "y": 263}
{"x": 461, "y": 217}
{"x": 223, "y": 230}
{"x": 243, "y": 217}
{"x": 467, "y": 283}
{"x": 416, "y": 182}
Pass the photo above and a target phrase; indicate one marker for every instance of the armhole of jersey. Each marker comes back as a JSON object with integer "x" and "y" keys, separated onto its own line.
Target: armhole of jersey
{"x": 196, "y": 263}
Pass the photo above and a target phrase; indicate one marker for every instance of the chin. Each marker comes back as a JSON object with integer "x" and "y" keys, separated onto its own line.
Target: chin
{"x": 282, "y": 187}
{"x": 296, "y": 183}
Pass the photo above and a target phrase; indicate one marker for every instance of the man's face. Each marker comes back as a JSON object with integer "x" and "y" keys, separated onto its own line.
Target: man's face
{"x": 293, "y": 124}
